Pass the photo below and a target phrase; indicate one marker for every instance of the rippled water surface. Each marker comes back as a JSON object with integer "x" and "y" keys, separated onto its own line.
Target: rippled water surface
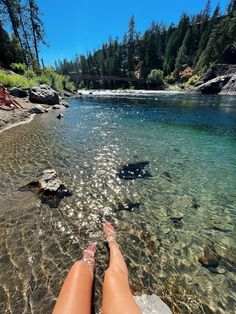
{"x": 192, "y": 138}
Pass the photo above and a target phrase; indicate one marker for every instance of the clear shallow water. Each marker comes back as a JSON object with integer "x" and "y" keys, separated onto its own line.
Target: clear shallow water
{"x": 191, "y": 137}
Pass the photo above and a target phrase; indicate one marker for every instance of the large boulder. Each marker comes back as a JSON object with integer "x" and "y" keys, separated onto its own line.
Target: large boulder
{"x": 44, "y": 94}
{"x": 18, "y": 92}
{"x": 230, "y": 87}
{"x": 214, "y": 86}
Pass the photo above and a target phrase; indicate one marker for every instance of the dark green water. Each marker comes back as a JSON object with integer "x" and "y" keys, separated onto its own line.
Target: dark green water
{"x": 193, "y": 138}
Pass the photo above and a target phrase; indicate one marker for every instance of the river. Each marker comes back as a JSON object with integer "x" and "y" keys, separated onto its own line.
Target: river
{"x": 188, "y": 204}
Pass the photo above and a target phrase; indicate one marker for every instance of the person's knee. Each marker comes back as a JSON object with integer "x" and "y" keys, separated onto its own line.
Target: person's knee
{"x": 116, "y": 274}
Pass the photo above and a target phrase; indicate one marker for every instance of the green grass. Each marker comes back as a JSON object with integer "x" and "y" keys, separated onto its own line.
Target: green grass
{"x": 16, "y": 80}
{"x": 27, "y": 78}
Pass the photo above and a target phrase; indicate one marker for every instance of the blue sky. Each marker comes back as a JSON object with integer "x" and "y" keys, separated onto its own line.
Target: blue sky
{"x": 78, "y": 26}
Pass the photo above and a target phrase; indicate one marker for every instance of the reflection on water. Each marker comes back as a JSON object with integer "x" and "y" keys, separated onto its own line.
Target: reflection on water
{"x": 192, "y": 138}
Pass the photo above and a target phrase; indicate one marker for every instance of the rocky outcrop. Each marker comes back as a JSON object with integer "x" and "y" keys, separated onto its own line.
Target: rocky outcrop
{"x": 18, "y": 92}
{"x": 230, "y": 87}
{"x": 49, "y": 187}
{"x": 220, "y": 78}
{"x": 214, "y": 86}
{"x": 218, "y": 70}
{"x": 43, "y": 94}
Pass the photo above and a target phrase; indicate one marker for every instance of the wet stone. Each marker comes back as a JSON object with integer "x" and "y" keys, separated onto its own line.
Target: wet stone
{"x": 195, "y": 204}
{"x": 217, "y": 270}
{"x": 210, "y": 258}
{"x": 127, "y": 206}
{"x": 60, "y": 116}
{"x": 49, "y": 187}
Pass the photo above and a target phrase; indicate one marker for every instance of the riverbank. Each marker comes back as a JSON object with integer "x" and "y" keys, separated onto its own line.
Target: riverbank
{"x": 39, "y": 100}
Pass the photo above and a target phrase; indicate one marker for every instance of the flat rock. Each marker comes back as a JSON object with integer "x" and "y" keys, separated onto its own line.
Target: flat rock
{"x": 65, "y": 104}
{"x": 58, "y": 107}
{"x": 152, "y": 304}
{"x": 18, "y": 92}
{"x": 43, "y": 94}
{"x": 37, "y": 109}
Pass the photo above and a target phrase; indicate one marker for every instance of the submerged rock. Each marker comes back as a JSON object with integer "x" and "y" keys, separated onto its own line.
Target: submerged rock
{"x": 43, "y": 94}
{"x": 167, "y": 176}
{"x": 195, "y": 204}
{"x": 60, "y": 116}
{"x": 210, "y": 258}
{"x": 222, "y": 226}
{"x": 217, "y": 270}
{"x": 128, "y": 206}
{"x": 134, "y": 170}
{"x": 176, "y": 219}
{"x": 49, "y": 187}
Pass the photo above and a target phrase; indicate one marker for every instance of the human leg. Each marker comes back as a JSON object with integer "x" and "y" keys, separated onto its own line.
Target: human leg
{"x": 117, "y": 296}
{"x": 76, "y": 293}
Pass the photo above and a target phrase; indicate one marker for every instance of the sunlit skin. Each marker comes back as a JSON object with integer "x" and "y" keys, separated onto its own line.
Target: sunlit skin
{"x": 6, "y": 100}
{"x": 76, "y": 293}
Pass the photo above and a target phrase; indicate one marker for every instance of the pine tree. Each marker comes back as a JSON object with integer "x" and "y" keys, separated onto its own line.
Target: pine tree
{"x": 37, "y": 27}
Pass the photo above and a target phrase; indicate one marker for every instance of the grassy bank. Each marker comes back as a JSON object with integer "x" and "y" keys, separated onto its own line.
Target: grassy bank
{"x": 25, "y": 77}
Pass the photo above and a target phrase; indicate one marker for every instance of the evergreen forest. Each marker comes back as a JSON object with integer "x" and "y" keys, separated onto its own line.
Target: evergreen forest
{"x": 170, "y": 53}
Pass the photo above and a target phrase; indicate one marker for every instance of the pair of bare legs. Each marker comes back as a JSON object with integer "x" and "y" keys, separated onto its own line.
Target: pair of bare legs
{"x": 76, "y": 293}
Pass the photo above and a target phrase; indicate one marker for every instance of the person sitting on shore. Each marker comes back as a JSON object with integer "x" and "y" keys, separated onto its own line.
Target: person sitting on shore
{"x": 76, "y": 293}
{"x": 6, "y": 102}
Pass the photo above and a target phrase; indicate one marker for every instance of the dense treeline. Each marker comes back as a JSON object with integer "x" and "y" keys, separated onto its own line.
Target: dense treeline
{"x": 176, "y": 52}
{"x": 24, "y": 18}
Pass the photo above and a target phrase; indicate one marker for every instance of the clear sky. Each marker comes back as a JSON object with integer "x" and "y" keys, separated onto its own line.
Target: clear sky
{"x": 78, "y": 26}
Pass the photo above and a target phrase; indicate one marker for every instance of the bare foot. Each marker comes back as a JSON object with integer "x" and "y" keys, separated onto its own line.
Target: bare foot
{"x": 109, "y": 232}
{"x": 88, "y": 254}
